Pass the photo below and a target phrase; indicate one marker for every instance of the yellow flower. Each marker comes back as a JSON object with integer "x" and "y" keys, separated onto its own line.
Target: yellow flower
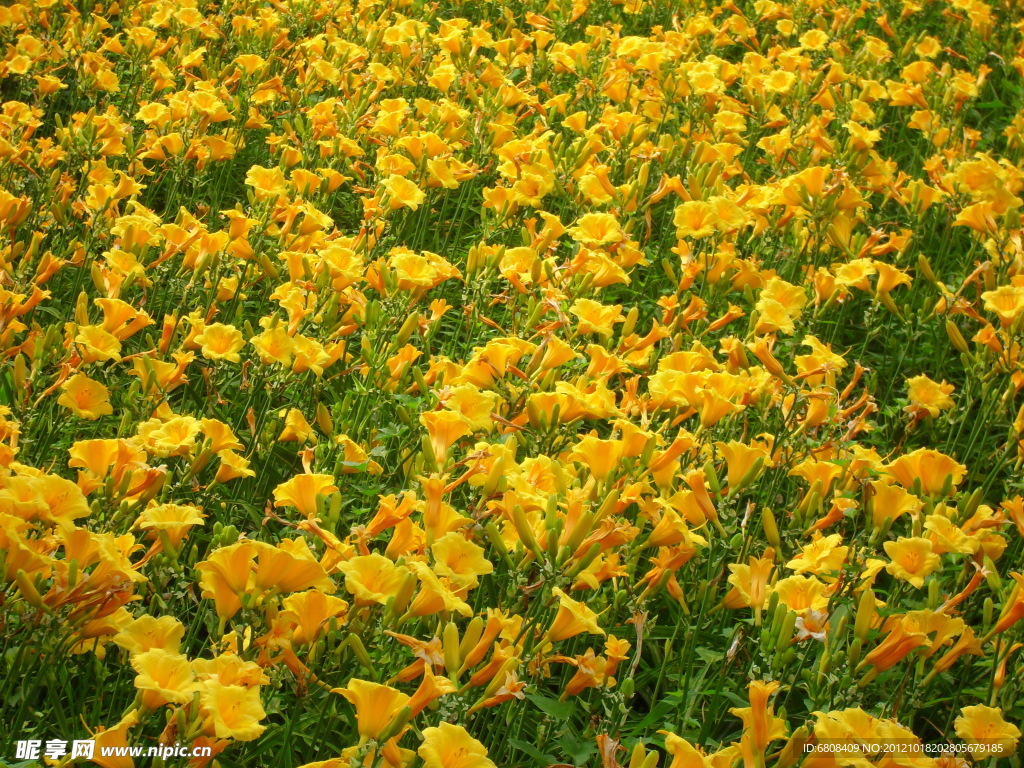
{"x": 451, "y": 746}
{"x": 402, "y": 193}
{"x": 274, "y": 345}
{"x": 928, "y": 397}
{"x": 891, "y": 501}
{"x": 985, "y": 729}
{"x": 86, "y": 398}
{"x": 596, "y": 229}
{"x": 601, "y": 457}
{"x": 225, "y": 575}
{"x": 1013, "y": 609}
{"x": 475, "y": 405}
{"x": 164, "y": 677}
{"x": 1006, "y": 301}
{"x": 289, "y": 567}
{"x": 435, "y": 595}
{"x": 740, "y": 459}
{"x": 372, "y": 578}
{"x": 684, "y": 754}
{"x": 97, "y": 344}
{"x": 779, "y": 306}
{"x": 802, "y": 593}
{"x": 302, "y": 490}
{"x": 267, "y": 183}
{"x": 233, "y": 711}
{"x": 595, "y": 317}
{"x": 221, "y": 342}
{"x": 912, "y": 559}
{"x": 172, "y": 520}
{"x": 376, "y": 705}
{"x": 823, "y": 555}
{"x": 232, "y": 466}
{"x": 696, "y": 219}
{"x": 459, "y": 559}
{"x": 174, "y": 437}
{"x": 749, "y": 582}
{"x": 146, "y": 633}
{"x": 296, "y": 428}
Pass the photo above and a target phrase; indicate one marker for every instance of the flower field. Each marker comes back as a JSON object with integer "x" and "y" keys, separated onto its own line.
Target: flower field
{"x": 547, "y": 383}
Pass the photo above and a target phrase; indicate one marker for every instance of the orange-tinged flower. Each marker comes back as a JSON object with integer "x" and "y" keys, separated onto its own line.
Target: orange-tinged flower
{"x": 232, "y": 467}
{"x": 759, "y": 719}
{"x": 435, "y": 595}
{"x": 301, "y": 492}
{"x": 86, "y": 398}
{"x": 122, "y": 319}
{"x": 296, "y": 428}
{"x": 750, "y": 582}
{"x": 225, "y": 575}
{"x": 601, "y": 457}
{"x": 376, "y": 705}
{"x": 451, "y": 746}
{"x": 444, "y": 428}
{"x": 573, "y": 618}
{"x": 312, "y": 611}
{"x": 740, "y": 460}
{"x": 431, "y": 688}
{"x": 901, "y": 639}
{"x": 932, "y": 469}
{"x": 108, "y": 739}
{"x": 1013, "y": 610}
{"x": 590, "y": 673}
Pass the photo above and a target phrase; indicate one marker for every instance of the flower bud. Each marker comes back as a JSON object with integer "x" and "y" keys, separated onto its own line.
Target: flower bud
{"x": 522, "y": 526}
{"x": 771, "y": 530}
{"x": 956, "y": 338}
{"x": 865, "y": 614}
{"x": 451, "y": 647}
{"x": 356, "y": 644}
